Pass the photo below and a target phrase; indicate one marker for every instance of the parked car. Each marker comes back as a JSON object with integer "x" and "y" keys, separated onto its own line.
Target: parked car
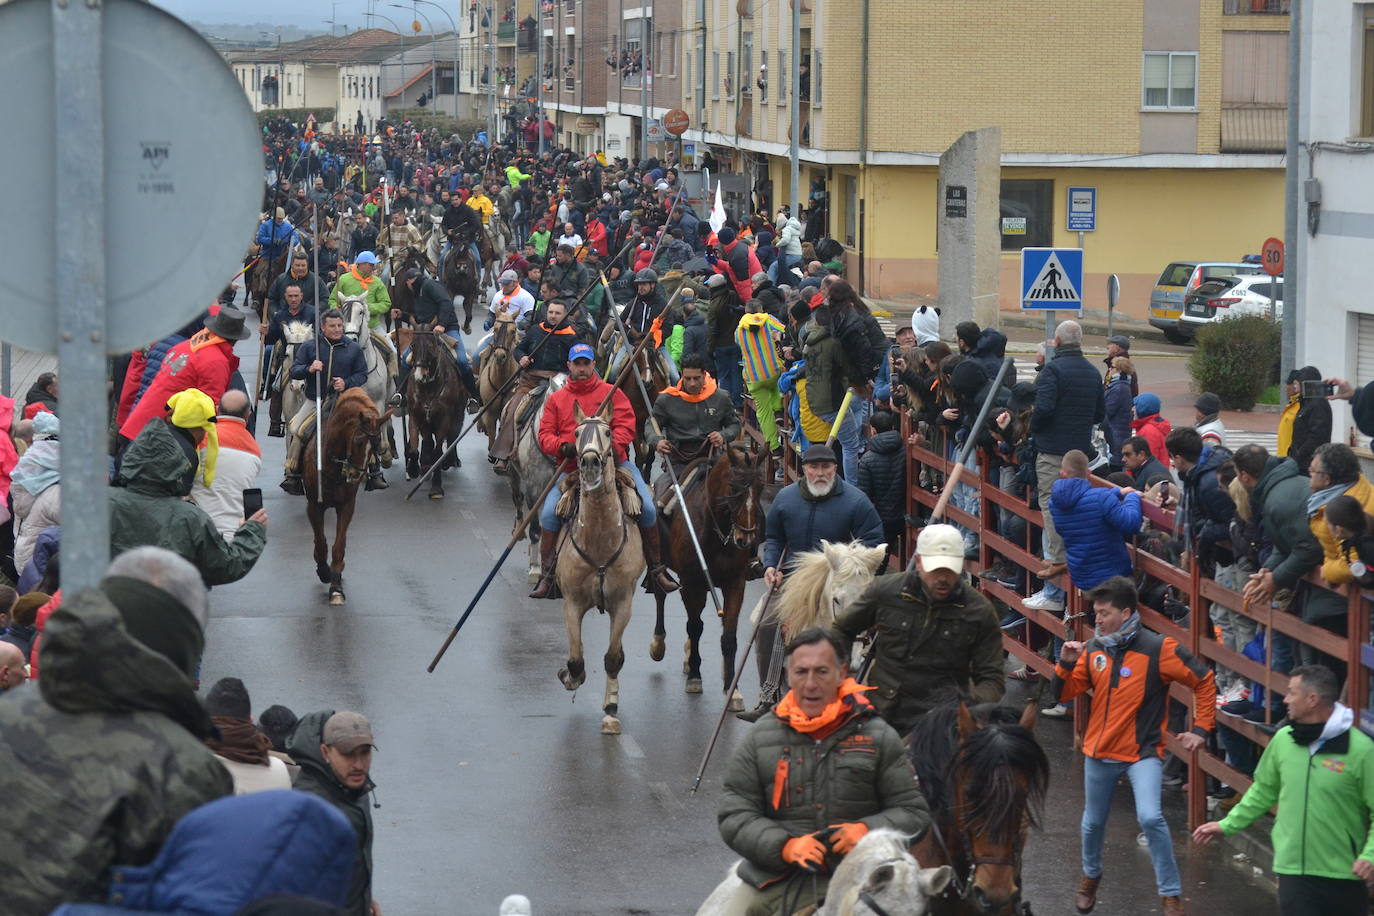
{"x": 1179, "y": 279}
{"x": 1225, "y": 297}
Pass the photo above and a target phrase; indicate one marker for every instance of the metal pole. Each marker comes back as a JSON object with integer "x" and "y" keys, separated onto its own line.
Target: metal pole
{"x": 794, "y": 109}
{"x": 6, "y": 360}
{"x": 79, "y": 198}
{"x": 1292, "y": 184}
{"x": 645, "y": 45}
{"x": 319, "y": 379}
{"x": 667, "y": 464}
{"x": 539, "y": 76}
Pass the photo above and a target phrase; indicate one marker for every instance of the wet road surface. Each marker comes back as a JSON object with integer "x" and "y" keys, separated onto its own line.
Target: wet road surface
{"x": 492, "y": 779}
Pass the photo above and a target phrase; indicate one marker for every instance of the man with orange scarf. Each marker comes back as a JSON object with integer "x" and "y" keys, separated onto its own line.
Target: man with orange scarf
{"x": 812, "y": 778}
{"x": 694, "y": 415}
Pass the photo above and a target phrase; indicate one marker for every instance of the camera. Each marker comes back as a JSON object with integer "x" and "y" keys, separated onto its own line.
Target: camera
{"x": 1318, "y": 389}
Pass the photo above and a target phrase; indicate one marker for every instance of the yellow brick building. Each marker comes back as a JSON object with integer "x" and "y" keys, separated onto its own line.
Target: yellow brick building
{"x": 1171, "y": 109}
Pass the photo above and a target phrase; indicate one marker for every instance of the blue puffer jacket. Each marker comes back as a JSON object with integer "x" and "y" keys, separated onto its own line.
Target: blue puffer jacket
{"x": 1094, "y": 523}
{"x": 799, "y": 522}
{"x": 1068, "y": 404}
{"x": 229, "y": 853}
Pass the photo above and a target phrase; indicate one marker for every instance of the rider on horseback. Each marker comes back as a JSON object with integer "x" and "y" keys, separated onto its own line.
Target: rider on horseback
{"x": 461, "y": 225}
{"x": 359, "y": 281}
{"x": 693, "y": 415}
{"x": 434, "y": 304}
{"x": 396, "y": 239}
{"x": 557, "y": 439}
{"x": 273, "y": 334}
{"x": 274, "y": 236}
{"x": 548, "y": 361}
{"x": 639, "y": 317}
{"x": 338, "y": 359}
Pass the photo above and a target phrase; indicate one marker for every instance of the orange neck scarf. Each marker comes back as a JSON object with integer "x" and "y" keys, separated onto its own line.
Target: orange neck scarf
{"x": 707, "y": 390}
{"x": 364, "y": 282}
{"x": 204, "y": 338}
{"x": 832, "y": 717}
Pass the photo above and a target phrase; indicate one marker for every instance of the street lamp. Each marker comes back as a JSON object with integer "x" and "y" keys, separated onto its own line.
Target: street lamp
{"x": 432, "y": 75}
{"x": 454, "y": 26}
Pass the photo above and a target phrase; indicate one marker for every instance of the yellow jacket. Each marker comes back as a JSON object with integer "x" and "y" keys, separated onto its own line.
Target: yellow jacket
{"x": 1290, "y": 413}
{"x": 482, "y": 205}
{"x": 813, "y": 427}
{"x": 1335, "y": 567}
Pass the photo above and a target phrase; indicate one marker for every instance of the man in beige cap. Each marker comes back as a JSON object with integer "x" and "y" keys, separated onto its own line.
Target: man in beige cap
{"x": 334, "y": 750}
{"x": 938, "y": 638}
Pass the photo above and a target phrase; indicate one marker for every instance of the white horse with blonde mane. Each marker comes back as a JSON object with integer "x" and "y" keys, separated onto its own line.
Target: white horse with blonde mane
{"x": 822, "y": 583}
{"x": 881, "y": 870}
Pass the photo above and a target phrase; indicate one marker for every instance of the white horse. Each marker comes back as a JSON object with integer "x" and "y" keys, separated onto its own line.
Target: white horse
{"x": 822, "y": 583}
{"x": 294, "y": 333}
{"x": 881, "y": 870}
{"x": 434, "y": 242}
{"x": 380, "y": 385}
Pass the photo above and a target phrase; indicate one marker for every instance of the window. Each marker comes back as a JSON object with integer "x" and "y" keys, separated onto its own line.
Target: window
{"x": 1027, "y": 214}
{"x": 816, "y": 78}
{"x": 851, "y": 210}
{"x": 1170, "y": 80}
{"x": 763, "y": 76}
{"x": 783, "y": 79}
{"x": 730, "y": 74}
{"x": 687, "y": 76}
{"x": 715, "y": 74}
{"x": 1367, "y": 80}
{"x": 747, "y": 65}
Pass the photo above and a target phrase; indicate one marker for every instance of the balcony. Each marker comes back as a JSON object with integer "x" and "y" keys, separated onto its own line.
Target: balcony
{"x": 1257, "y": 7}
{"x": 505, "y": 33}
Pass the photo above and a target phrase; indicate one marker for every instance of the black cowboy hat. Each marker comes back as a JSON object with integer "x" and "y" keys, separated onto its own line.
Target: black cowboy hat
{"x": 229, "y": 323}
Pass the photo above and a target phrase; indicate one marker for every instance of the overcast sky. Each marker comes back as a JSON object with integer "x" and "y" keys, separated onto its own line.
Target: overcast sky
{"x": 312, "y": 14}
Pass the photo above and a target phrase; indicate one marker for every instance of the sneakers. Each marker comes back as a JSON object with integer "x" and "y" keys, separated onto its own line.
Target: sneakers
{"x": 1086, "y": 897}
{"x": 1236, "y": 693}
{"x": 1011, "y": 620}
{"x": 1041, "y": 601}
{"x": 1058, "y": 711}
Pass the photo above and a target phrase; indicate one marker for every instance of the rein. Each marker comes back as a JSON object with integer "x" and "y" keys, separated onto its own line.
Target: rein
{"x": 602, "y": 568}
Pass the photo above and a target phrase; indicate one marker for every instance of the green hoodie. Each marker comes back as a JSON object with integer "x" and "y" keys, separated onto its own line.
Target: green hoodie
{"x": 148, "y": 509}
{"x": 99, "y": 760}
{"x": 1325, "y": 800}
{"x": 515, "y": 176}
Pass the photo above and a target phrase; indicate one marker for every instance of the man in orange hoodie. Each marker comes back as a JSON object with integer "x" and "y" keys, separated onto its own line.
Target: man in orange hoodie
{"x": 1129, "y": 669}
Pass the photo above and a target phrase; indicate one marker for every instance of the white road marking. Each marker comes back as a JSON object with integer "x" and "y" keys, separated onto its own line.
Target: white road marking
{"x": 631, "y": 748}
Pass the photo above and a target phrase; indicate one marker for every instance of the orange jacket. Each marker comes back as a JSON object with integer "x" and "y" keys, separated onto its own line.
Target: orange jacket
{"x": 1131, "y": 694}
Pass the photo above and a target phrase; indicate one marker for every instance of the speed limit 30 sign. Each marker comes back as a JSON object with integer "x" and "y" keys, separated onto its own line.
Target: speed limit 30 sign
{"x": 1271, "y": 256}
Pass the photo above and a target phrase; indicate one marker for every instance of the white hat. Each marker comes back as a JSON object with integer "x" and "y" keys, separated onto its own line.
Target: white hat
{"x": 941, "y": 547}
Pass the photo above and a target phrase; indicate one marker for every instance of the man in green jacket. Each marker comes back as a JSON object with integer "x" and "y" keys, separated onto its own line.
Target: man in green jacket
{"x": 937, "y": 638}
{"x": 1319, "y": 769}
{"x": 1281, "y": 492}
{"x": 811, "y": 778}
{"x": 694, "y": 416}
{"x": 147, "y": 506}
{"x": 103, "y": 755}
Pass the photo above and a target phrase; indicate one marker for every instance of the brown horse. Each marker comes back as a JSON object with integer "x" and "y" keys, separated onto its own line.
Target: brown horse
{"x": 984, "y": 776}
{"x": 402, "y": 297}
{"x": 728, "y": 520}
{"x": 649, "y": 365}
{"x": 351, "y": 434}
{"x": 434, "y": 403}
{"x": 498, "y": 365}
{"x": 462, "y": 277}
{"x": 259, "y": 280}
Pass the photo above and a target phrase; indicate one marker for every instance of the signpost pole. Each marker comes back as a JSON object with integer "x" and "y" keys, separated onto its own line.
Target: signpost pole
{"x": 6, "y": 363}
{"x": 80, "y": 221}
{"x": 1113, "y": 295}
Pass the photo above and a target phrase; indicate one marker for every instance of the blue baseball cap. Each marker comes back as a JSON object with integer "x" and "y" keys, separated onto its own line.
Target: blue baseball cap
{"x": 581, "y": 351}
{"x": 365, "y": 257}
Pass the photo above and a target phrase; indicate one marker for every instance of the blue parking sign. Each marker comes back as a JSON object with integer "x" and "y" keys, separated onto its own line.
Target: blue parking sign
{"x": 1052, "y": 278}
{"x": 1082, "y": 209}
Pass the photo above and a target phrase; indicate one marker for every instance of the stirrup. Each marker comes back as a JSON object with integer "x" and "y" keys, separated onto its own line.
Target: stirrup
{"x": 293, "y": 484}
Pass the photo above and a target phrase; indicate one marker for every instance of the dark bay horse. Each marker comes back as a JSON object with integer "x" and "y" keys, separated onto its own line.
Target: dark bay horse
{"x": 434, "y": 403}
{"x": 649, "y": 365}
{"x": 985, "y": 777}
{"x": 461, "y": 276}
{"x": 402, "y": 297}
{"x": 351, "y": 434}
{"x": 259, "y": 280}
{"x": 728, "y": 519}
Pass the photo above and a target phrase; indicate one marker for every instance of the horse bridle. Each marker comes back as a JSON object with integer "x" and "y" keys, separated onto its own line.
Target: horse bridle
{"x": 601, "y": 569}
{"x": 352, "y": 474}
{"x": 964, "y": 886}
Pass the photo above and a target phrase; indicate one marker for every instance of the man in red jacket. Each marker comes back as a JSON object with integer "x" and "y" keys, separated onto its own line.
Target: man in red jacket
{"x": 205, "y": 361}
{"x": 737, "y": 263}
{"x": 558, "y": 440}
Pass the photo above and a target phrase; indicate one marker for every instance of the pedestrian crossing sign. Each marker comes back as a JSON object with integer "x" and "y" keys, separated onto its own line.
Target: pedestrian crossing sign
{"x": 1052, "y": 278}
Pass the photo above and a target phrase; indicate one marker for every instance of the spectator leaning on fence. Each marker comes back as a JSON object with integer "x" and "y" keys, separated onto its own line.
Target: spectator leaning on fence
{"x": 1319, "y": 770}
{"x": 1095, "y": 523}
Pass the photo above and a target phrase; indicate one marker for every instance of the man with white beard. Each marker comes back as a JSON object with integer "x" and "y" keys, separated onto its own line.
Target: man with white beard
{"x": 818, "y": 507}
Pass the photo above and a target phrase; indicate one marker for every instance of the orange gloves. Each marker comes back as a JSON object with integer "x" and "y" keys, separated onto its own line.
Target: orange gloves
{"x": 805, "y": 852}
{"x": 846, "y": 836}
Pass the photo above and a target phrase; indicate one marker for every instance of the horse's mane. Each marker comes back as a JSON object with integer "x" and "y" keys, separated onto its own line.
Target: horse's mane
{"x": 798, "y": 605}
{"x": 987, "y": 761}
{"x": 352, "y": 401}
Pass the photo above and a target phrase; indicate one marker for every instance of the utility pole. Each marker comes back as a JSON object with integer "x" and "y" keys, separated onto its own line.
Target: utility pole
{"x": 794, "y": 106}
{"x": 539, "y": 74}
{"x": 646, "y": 43}
{"x": 1291, "y": 189}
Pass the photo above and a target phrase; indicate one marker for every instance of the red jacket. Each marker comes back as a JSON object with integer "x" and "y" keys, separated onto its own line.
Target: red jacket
{"x": 558, "y": 425}
{"x": 133, "y": 377}
{"x": 736, "y": 258}
{"x": 596, "y": 238}
{"x": 1154, "y": 429}
{"x": 206, "y": 361}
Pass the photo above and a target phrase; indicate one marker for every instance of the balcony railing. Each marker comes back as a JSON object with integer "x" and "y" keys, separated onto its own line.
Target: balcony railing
{"x": 1257, "y": 7}
{"x": 569, "y": 84}
{"x": 505, "y": 32}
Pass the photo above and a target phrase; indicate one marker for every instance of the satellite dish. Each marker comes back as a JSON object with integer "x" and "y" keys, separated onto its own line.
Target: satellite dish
{"x": 183, "y": 174}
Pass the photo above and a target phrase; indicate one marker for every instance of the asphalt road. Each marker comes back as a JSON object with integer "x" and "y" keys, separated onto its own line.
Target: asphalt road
{"x": 492, "y": 779}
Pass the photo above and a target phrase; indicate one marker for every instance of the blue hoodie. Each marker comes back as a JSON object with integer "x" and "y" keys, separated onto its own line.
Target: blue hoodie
{"x": 234, "y": 851}
{"x": 1094, "y": 523}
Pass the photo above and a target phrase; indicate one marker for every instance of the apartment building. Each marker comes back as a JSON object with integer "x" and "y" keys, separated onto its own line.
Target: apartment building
{"x": 1172, "y": 109}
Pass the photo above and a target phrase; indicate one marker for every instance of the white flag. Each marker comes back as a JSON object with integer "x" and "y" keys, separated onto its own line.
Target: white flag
{"x": 717, "y": 217}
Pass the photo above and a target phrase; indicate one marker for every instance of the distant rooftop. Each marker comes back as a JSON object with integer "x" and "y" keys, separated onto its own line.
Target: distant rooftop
{"x": 362, "y": 46}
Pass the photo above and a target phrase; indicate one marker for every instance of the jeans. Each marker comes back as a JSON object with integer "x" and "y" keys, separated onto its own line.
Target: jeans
{"x": 965, "y": 497}
{"x": 1099, "y": 782}
{"x": 729, "y": 375}
{"x": 548, "y": 513}
{"x": 851, "y": 441}
{"x": 779, "y": 270}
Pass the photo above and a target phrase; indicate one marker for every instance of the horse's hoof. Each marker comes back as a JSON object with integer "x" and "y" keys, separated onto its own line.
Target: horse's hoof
{"x": 657, "y": 648}
{"x": 610, "y": 725}
{"x": 325, "y": 574}
{"x": 736, "y": 703}
{"x": 570, "y": 682}
{"x": 694, "y": 685}
{"x": 336, "y": 599}
{"x": 533, "y": 575}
